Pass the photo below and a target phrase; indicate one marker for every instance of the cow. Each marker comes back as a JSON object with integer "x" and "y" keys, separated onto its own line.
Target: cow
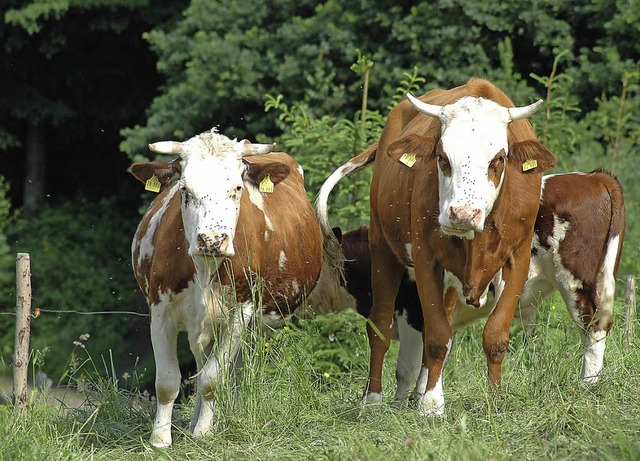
{"x": 454, "y": 196}
{"x": 231, "y": 232}
{"x": 576, "y": 248}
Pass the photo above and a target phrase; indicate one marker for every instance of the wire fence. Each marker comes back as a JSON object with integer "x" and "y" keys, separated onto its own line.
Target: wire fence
{"x": 38, "y": 311}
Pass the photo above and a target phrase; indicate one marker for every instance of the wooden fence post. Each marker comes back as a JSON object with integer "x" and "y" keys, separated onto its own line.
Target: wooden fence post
{"x": 630, "y": 309}
{"x": 23, "y": 330}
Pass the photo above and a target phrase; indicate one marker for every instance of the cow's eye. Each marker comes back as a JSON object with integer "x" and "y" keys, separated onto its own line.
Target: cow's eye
{"x": 238, "y": 188}
{"x": 443, "y": 162}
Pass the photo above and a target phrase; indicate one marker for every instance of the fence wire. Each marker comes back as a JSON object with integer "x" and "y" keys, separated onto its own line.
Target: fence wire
{"x": 38, "y": 311}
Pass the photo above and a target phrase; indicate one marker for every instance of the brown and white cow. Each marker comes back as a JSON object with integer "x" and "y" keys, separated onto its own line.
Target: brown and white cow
{"x": 454, "y": 196}
{"x": 212, "y": 249}
{"x": 576, "y": 249}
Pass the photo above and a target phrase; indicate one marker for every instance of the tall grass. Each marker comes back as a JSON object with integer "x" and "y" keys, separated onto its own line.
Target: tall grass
{"x": 285, "y": 405}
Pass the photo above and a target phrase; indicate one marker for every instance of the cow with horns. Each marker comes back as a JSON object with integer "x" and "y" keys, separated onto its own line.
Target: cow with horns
{"x": 576, "y": 248}
{"x": 231, "y": 232}
{"x": 454, "y": 197}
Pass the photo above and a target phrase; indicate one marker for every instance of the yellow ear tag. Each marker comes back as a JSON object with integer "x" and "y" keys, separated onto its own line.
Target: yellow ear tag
{"x": 408, "y": 159}
{"x": 529, "y": 164}
{"x": 153, "y": 184}
{"x": 266, "y": 185}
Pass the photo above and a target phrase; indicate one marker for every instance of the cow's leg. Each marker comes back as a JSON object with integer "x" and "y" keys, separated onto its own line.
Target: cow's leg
{"x": 226, "y": 342}
{"x": 450, "y": 300}
{"x": 602, "y": 321}
{"x": 436, "y": 334}
{"x": 594, "y": 324}
{"x": 421, "y": 382}
{"x": 386, "y": 274}
{"x": 198, "y": 404}
{"x": 495, "y": 339}
{"x": 164, "y": 338}
{"x": 409, "y": 358}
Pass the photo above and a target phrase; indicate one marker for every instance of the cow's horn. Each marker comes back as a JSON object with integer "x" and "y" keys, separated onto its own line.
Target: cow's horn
{"x": 429, "y": 109}
{"x": 257, "y": 149}
{"x": 166, "y": 147}
{"x": 516, "y": 113}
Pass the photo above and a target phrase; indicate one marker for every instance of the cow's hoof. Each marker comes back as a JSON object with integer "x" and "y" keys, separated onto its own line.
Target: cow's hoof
{"x": 430, "y": 406}
{"x": 372, "y": 398}
{"x": 202, "y": 429}
{"x": 160, "y": 438}
{"x": 590, "y": 380}
{"x": 400, "y": 404}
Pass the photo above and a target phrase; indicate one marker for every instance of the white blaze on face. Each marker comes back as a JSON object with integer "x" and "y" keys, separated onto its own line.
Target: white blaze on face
{"x": 474, "y": 134}
{"x": 211, "y": 186}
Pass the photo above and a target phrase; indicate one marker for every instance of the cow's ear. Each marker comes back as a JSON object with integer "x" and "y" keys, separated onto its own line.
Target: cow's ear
{"x": 531, "y": 157}
{"x": 256, "y": 172}
{"x": 413, "y": 144}
{"x": 164, "y": 171}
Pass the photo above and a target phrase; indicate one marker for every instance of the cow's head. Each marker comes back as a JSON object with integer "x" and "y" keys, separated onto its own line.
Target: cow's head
{"x": 212, "y": 173}
{"x": 471, "y": 154}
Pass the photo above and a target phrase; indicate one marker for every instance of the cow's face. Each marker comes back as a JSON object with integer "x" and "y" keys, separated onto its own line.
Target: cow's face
{"x": 471, "y": 155}
{"x": 211, "y": 182}
{"x": 211, "y": 188}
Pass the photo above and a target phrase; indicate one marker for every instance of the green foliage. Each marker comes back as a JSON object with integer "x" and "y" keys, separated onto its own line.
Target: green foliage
{"x": 559, "y": 102}
{"x": 321, "y": 145}
{"x": 80, "y": 261}
{"x": 7, "y": 271}
{"x": 338, "y": 343}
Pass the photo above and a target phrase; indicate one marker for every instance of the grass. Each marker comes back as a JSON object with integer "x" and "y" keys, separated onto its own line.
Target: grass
{"x": 292, "y": 403}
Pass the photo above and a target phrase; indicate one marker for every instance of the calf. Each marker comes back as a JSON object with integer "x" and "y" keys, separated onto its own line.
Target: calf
{"x": 576, "y": 249}
{"x": 231, "y": 232}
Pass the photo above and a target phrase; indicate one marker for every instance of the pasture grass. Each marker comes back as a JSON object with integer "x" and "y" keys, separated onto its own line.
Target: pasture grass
{"x": 285, "y": 405}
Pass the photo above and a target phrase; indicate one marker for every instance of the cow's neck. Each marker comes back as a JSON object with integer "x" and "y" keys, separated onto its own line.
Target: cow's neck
{"x": 485, "y": 256}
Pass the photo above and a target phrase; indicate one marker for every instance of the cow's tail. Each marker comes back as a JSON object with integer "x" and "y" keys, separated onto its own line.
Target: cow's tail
{"x": 333, "y": 256}
{"x": 612, "y": 251}
{"x": 618, "y": 219}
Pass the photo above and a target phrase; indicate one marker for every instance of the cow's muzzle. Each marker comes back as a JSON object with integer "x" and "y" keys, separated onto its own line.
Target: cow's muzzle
{"x": 463, "y": 219}
{"x": 214, "y": 244}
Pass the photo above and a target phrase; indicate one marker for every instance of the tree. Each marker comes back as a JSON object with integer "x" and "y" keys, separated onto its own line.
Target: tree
{"x": 72, "y": 74}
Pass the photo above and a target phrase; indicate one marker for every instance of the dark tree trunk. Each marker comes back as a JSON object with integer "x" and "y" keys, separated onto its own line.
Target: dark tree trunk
{"x": 34, "y": 180}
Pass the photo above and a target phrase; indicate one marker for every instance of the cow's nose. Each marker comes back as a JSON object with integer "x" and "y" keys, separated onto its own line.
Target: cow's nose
{"x": 213, "y": 244}
{"x": 465, "y": 216}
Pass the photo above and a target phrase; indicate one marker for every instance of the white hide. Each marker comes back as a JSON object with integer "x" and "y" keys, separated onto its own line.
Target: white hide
{"x": 432, "y": 401}
{"x": 211, "y": 185}
{"x": 474, "y": 131}
{"x": 409, "y": 359}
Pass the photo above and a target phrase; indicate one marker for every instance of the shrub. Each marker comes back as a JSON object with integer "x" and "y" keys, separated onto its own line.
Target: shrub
{"x": 79, "y": 262}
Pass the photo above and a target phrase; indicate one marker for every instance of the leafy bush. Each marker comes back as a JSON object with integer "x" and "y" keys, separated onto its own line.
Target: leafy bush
{"x": 80, "y": 261}
{"x": 7, "y": 272}
{"x": 322, "y": 144}
{"x": 337, "y": 342}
